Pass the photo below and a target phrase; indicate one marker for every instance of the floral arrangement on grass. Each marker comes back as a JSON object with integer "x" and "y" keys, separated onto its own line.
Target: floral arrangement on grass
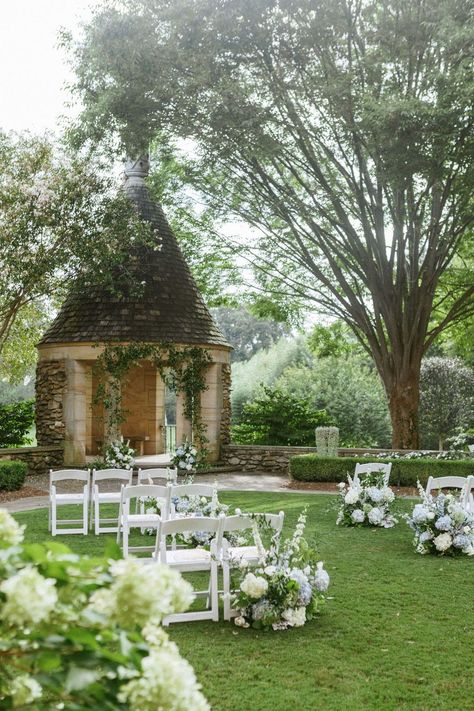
{"x": 366, "y": 502}
{"x": 119, "y": 455}
{"x": 80, "y": 632}
{"x": 442, "y": 525}
{"x": 186, "y": 458}
{"x": 285, "y": 590}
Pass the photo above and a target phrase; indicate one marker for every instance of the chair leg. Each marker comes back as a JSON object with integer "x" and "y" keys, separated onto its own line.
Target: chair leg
{"x": 226, "y": 587}
{"x": 125, "y": 540}
{"x": 53, "y": 518}
{"x": 96, "y": 516}
{"x": 214, "y": 593}
{"x": 85, "y": 515}
{"x": 49, "y": 516}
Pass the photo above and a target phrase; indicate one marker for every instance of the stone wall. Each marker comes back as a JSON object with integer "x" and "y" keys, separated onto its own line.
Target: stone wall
{"x": 247, "y": 457}
{"x": 226, "y": 412}
{"x": 50, "y": 391}
{"x": 39, "y": 459}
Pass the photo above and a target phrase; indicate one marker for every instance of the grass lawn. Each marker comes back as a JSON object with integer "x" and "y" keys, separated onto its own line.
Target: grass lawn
{"x": 397, "y": 633}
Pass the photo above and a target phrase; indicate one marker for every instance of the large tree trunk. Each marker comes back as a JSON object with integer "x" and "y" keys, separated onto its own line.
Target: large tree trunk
{"x": 403, "y": 400}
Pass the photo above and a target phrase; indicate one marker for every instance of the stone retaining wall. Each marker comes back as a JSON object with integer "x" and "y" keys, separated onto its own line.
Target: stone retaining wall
{"x": 39, "y": 459}
{"x": 249, "y": 457}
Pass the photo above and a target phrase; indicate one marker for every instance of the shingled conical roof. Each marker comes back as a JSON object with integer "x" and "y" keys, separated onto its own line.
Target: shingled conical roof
{"x": 170, "y": 307}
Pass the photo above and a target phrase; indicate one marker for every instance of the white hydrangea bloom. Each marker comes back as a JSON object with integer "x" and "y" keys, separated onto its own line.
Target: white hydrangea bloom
{"x": 443, "y": 542}
{"x": 296, "y": 617}
{"x": 376, "y": 516}
{"x": 375, "y": 494}
{"x": 321, "y": 579}
{"x": 24, "y": 690}
{"x": 167, "y": 683}
{"x": 30, "y": 598}
{"x": 352, "y": 496}
{"x": 358, "y": 516}
{"x": 388, "y": 494}
{"x": 142, "y": 593}
{"x": 254, "y": 586}
{"x": 11, "y": 533}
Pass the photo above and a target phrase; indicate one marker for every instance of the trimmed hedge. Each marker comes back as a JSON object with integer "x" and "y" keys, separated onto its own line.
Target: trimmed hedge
{"x": 12, "y": 475}
{"x": 405, "y": 472}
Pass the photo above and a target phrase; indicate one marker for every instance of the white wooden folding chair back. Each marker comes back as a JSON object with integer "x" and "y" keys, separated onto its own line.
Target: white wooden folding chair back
{"x": 188, "y": 560}
{"x": 189, "y": 490}
{"x": 123, "y": 477}
{"x": 250, "y": 554}
{"x": 58, "y": 498}
{"x": 148, "y": 476}
{"x": 141, "y": 520}
{"x": 446, "y": 482}
{"x": 468, "y": 502}
{"x": 384, "y": 468}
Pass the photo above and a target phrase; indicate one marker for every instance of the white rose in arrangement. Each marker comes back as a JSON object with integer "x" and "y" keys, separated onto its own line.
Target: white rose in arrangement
{"x": 443, "y": 542}
{"x": 352, "y": 496}
{"x": 30, "y": 598}
{"x": 295, "y": 618}
{"x": 241, "y": 622}
{"x": 358, "y": 516}
{"x": 11, "y": 533}
{"x": 376, "y": 516}
{"x": 254, "y": 586}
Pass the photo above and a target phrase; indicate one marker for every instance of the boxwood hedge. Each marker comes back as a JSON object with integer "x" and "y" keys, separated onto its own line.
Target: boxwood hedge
{"x": 405, "y": 472}
{"x": 12, "y": 474}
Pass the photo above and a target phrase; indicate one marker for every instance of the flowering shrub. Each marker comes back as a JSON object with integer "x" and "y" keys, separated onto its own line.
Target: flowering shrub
{"x": 119, "y": 455}
{"x": 451, "y": 455}
{"x": 186, "y": 458}
{"x": 442, "y": 525}
{"x": 366, "y": 502}
{"x": 286, "y": 589}
{"x": 80, "y": 632}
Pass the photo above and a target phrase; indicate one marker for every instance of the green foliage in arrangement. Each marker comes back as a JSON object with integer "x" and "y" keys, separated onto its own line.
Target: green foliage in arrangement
{"x": 16, "y": 419}
{"x": 405, "y": 472}
{"x": 12, "y": 475}
{"x": 279, "y": 419}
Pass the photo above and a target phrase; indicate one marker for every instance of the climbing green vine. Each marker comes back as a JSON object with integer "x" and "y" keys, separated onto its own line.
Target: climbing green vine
{"x": 183, "y": 370}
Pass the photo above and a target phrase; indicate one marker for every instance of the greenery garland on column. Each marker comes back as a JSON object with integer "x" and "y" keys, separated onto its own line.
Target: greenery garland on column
{"x": 183, "y": 370}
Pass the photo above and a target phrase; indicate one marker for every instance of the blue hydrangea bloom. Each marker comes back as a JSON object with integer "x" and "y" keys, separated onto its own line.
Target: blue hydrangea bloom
{"x": 461, "y": 541}
{"x": 444, "y": 523}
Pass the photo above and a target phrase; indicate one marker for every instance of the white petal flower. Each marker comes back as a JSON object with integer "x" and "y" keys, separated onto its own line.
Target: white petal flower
{"x": 11, "y": 533}
{"x": 30, "y": 598}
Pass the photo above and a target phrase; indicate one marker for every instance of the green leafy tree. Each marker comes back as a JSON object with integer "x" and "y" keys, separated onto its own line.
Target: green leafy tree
{"x": 447, "y": 399}
{"x": 16, "y": 420}
{"x": 276, "y": 418}
{"x": 247, "y": 333}
{"x": 61, "y": 223}
{"x": 350, "y": 391}
{"x": 335, "y": 340}
{"x": 342, "y": 131}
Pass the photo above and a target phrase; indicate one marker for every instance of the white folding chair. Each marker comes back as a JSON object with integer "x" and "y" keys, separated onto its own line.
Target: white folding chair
{"x": 107, "y": 497}
{"x": 468, "y": 502}
{"x": 55, "y": 499}
{"x": 181, "y": 490}
{"x": 385, "y": 468}
{"x": 250, "y": 554}
{"x": 141, "y": 520}
{"x": 446, "y": 482}
{"x": 191, "y": 560}
{"x": 147, "y": 476}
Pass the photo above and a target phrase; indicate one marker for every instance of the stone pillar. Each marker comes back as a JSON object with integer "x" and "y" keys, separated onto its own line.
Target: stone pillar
{"x": 183, "y": 425}
{"x": 226, "y": 411}
{"x": 211, "y": 409}
{"x": 159, "y": 444}
{"x": 75, "y": 413}
{"x": 50, "y": 389}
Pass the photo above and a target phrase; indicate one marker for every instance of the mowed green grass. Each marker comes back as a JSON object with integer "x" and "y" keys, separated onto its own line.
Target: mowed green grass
{"x": 396, "y": 633}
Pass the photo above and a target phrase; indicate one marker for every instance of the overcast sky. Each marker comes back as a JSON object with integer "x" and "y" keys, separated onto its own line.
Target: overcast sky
{"x": 32, "y": 67}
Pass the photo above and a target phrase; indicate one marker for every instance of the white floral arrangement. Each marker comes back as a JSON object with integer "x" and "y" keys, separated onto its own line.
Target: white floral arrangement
{"x": 186, "y": 458}
{"x": 366, "y": 502}
{"x": 442, "y": 525}
{"x": 82, "y": 632}
{"x": 285, "y": 590}
{"x": 327, "y": 441}
{"x": 119, "y": 455}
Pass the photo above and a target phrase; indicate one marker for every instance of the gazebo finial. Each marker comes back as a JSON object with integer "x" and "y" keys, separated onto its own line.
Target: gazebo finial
{"x": 136, "y": 170}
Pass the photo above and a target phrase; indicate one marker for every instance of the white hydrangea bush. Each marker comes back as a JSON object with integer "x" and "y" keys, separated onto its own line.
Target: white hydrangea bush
{"x": 442, "y": 525}
{"x": 366, "y": 501}
{"x": 78, "y": 632}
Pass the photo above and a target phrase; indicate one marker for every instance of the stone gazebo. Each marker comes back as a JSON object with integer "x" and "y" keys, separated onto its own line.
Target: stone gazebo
{"x": 169, "y": 309}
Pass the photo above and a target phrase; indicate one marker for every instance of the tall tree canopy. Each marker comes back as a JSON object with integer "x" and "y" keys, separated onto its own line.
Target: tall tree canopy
{"x": 340, "y": 129}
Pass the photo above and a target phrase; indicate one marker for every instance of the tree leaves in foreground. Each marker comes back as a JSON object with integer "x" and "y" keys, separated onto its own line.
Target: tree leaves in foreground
{"x": 342, "y": 131}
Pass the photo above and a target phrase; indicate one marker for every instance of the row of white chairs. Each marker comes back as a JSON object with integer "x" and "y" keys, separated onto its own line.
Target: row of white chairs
{"x": 464, "y": 484}
{"x": 91, "y": 497}
{"x": 221, "y": 555}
